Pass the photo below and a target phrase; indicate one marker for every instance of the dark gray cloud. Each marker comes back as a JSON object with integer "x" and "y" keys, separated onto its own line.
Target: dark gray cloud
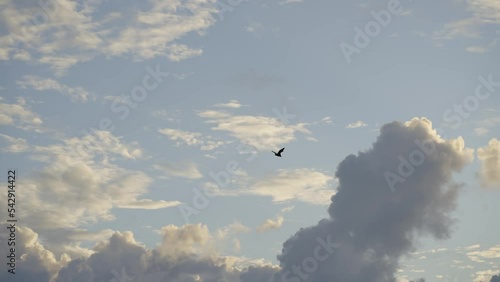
{"x": 186, "y": 254}
{"x": 495, "y": 278}
{"x": 370, "y": 226}
{"x": 173, "y": 260}
{"x": 31, "y": 261}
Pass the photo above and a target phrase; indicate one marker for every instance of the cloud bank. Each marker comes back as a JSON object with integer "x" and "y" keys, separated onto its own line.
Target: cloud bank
{"x": 369, "y": 229}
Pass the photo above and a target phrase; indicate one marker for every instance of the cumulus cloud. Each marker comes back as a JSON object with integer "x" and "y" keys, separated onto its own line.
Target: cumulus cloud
{"x": 34, "y": 261}
{"x": 80, "y": 184}
{"x": 482, "y": 255}
{"x": 77, "y": 94}
{"x": 490, "y": 163}
{"x": 372, "y": 226}
{"x": 184, "y": 254}
{"x": 485, "y": 275}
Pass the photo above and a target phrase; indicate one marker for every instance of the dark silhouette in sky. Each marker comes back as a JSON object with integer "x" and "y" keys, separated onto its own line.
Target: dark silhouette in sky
{"x": 278, "y": 154}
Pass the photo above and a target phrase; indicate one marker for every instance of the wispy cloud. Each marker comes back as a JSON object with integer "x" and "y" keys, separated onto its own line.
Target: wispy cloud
{"x": 206, "y": 143}
{"x": 357, "y": 124}
{"x": 261, "y": 132}
{"x": 184, "y": 169}
{"x": 19, "y": 115}
{"x": 77, "y": 94}
{"x": 302, "y": 184}
{"x": 272, "y": 223}
{"x": 71, "y": 33}
{"x": 235, "y": 104}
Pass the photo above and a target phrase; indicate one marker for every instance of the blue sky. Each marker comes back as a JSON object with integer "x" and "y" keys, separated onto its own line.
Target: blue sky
{"x": 117, "y": 116}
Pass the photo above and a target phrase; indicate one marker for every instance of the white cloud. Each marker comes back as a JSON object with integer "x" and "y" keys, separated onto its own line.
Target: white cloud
{"x": 206, "y": 143}
{"x": 183, "y": 137}
{"x": 303, "y": 184}
{"x": 69, "y": 32}
{"x": 473, "y": 247}
{"x": 480, "y": 256}
{"x": 261, "y": 132}
{"x": 179, "y": 52}
{"x": 59, "y": 64}
{"x": 483, "y": 12}
{"x": 67, "y": 29}
{"x": 490, "y": 163}
{"x": 272, "y": 223}
{"x": 484, "y": 275}
{"x": 77, "y": 94}
{"x": 147, "y": 204}
{"x": 18, "y": 115}
{"x": 357, "y": 124}
{"x": 79, "y": 183}
{"x": 327, "y": 120}
{"x": 185, "y": 169}
{"x": 154, "y": 32}
{"x": 231, "y": 104}
{"x": 307, "y": 185}
{"x": 16, "y": 145}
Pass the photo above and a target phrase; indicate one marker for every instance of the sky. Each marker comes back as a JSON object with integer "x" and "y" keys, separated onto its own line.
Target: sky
{"x": 137, "y": 136}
